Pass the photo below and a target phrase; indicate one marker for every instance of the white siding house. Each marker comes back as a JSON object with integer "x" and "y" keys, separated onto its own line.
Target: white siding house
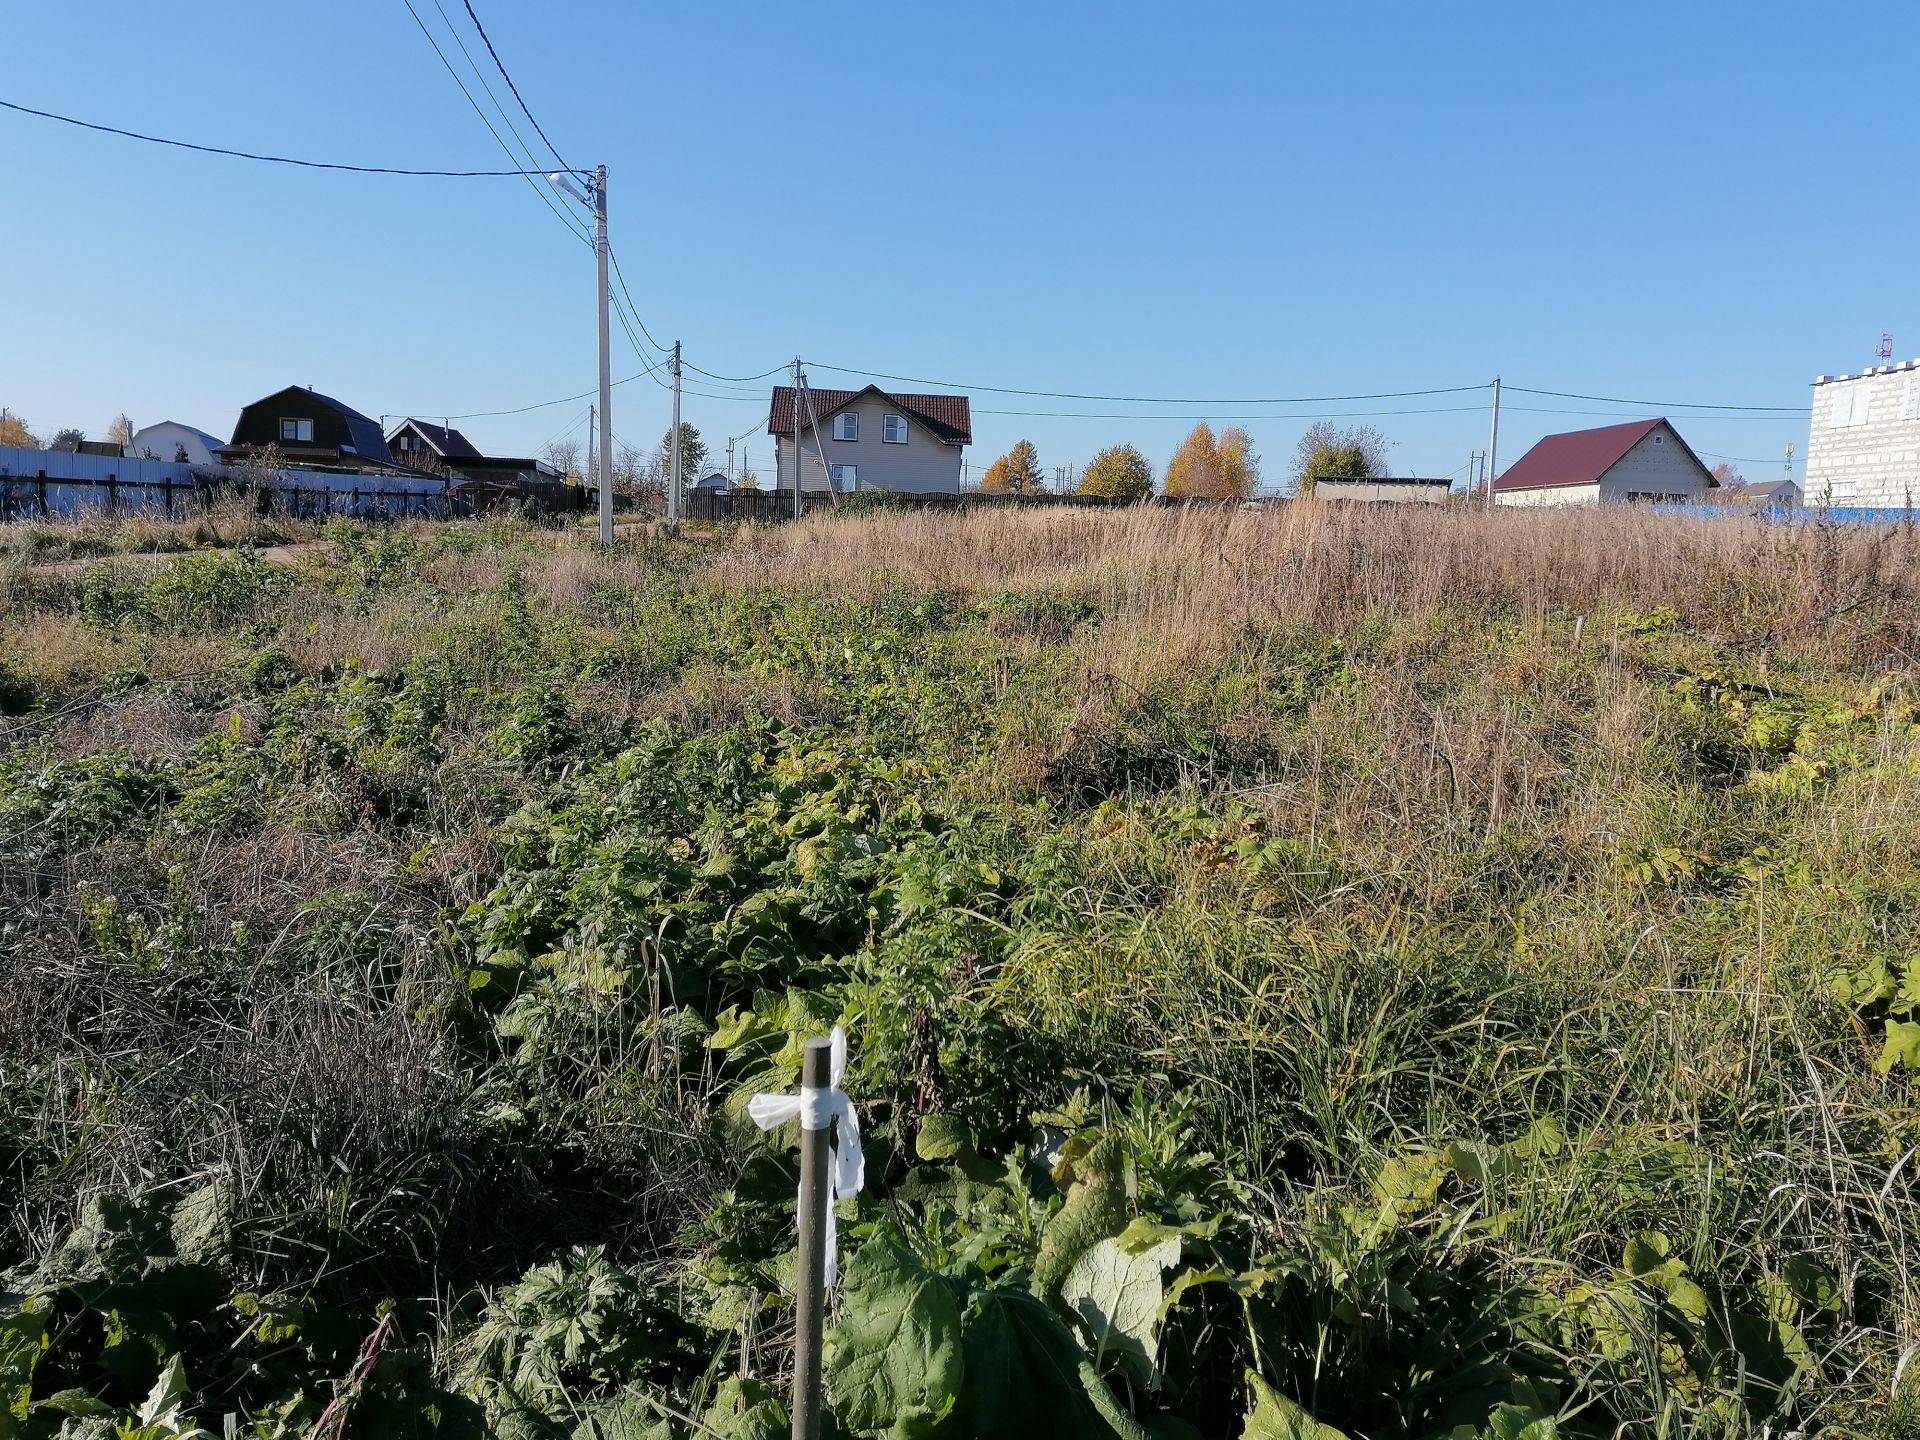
{"x": 1643, "y": 461}
{"x": 171, "y": 440}
{"x": 1864, "y": 446}
{"x": 870, "y": 440}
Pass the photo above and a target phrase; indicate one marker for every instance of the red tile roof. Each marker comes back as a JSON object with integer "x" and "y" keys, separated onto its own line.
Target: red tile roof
{"x": 1580, "y": 457}
{"x": 949, "y": 416}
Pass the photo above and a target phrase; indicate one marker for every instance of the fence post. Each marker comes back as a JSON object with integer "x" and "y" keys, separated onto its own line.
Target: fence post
{"x": 816, "y": 1073}
{"x": 113, "y": 494}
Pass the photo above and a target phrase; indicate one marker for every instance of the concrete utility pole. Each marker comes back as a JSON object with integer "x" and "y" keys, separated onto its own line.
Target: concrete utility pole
{"x": 796, "y": 438}
{"x": 606, "y": 357}
{"x": 1493, "y": 443}
{"x": 673, "y": 494}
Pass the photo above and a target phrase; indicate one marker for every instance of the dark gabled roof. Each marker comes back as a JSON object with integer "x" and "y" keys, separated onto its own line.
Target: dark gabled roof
{"x": 1581, "y": 457}
{"x": 368, "y": 442}
{"x": 447, "y": 443}
{"x": 949, "y": 417}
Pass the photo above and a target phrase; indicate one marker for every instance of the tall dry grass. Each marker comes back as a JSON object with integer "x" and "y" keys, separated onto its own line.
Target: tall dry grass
{"x": 1192, "y": 575}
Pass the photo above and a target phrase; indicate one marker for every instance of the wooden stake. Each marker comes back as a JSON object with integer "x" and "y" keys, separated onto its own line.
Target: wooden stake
{"x": 816, "y": 1185}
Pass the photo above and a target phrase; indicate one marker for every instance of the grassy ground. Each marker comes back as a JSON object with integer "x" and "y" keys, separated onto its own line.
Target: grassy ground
{"x": 1413, "y": 975}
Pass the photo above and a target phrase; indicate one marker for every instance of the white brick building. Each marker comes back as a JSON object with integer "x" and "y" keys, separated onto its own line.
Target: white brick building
{"x": 1864, "y": 447}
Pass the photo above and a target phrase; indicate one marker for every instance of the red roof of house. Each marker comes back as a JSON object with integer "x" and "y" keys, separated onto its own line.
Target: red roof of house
{"x": 1578, "y": 457}
{"x": 949, "y": 416}
{"x": 1581, "y": 457}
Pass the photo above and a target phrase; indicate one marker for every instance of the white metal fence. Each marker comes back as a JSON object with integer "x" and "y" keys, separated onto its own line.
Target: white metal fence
{"x": 38, "y": 483}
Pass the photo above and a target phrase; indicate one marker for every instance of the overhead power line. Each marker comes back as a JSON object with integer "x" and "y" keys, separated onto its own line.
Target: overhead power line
{"x": 621, "y": 276}
{"x": 1302, "y": 415}
{"x": 1752, "y": 418}
{"x": 1154, "y": 399}
{"x": 511, "y": 86}
{"x": 1662, "y": 404}
{"x": 573, "y": 227}
{"x": 267, "y": 159}
{"x": 736, "y": 379}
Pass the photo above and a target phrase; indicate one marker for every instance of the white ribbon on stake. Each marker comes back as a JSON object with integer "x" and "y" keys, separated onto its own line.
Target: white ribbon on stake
{"x": 816, "y": 1110}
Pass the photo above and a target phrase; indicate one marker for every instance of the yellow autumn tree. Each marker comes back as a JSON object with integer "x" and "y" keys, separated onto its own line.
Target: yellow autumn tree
{"x": 1235, "y": 464}
{"x": 1209, "y": 467}
{"x": 15, "y": 435}
{"x": 995, "y": 480}
{"x": 1194, "y": 468}
{"x": 1118, "y": 472}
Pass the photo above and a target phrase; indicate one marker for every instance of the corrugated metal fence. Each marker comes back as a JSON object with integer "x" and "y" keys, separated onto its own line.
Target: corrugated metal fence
{"x": 38, "y": 483}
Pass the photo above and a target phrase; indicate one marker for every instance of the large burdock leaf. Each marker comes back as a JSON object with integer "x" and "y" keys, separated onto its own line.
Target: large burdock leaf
{"x": 1275, "y": 1417}
{"x": 1116, "y": 1298}
{"x": 1026, "y": 1375}
{"x": 23, "y": 1338}
{"x": 893, "y": 1365}
{"x": 1902, "y": 1047}
{"x": 1096, "y": 1208}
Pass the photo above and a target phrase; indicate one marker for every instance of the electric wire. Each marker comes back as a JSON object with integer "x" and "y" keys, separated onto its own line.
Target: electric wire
{"x": 511, "y": 86}
{"x": 1763, "y": 419}
{"x": 1659, "y": 404}
{"x": 735, "y": 379}
{"x": 621, "y": 276}
{"x": 1182, "y": 419}
{"x": 573, "y": 228}
{"x": 1153, "y": 399}
{"x": 268, "y": 159}
{"x": 520, "y": 141}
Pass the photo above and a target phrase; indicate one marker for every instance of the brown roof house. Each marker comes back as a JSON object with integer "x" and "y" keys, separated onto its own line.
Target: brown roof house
{"x": 308, "y": 429}
{"x": 487, "y": 482}
{"x": 1641, "y": 461}
{"x": 870, "y": 439}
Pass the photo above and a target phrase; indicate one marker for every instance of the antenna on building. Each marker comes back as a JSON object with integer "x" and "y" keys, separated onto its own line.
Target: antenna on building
{"x": 1885, "y": 352}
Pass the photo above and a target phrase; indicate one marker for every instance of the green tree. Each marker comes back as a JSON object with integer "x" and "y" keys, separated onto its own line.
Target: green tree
{"x": 1118, "y": 472}
{"x": 693, "y": 454}
{"x": 1015, "y": 473}
{"x": 67, "y": 439}
{"x": 1327, "y": 451}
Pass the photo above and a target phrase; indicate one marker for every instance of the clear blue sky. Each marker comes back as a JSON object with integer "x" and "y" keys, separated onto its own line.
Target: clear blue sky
{"x": 1699, "y": 202}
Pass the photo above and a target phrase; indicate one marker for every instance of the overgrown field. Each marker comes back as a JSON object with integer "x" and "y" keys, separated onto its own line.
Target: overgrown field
{"x": 1307, "y": 972}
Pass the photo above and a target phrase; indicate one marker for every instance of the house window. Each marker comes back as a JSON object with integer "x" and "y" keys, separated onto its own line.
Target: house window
{"x": 847, "y": 426}
{"x": 893, "y": 430}
{"x": 298, "y": 431}
{"x": 1659, "y": 439}
{"x": 844, "y": 477}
